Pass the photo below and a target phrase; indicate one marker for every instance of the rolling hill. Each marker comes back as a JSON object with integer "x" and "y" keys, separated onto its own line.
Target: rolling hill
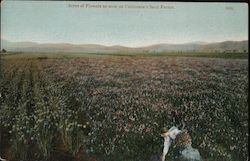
{"x": 94, "y": 48}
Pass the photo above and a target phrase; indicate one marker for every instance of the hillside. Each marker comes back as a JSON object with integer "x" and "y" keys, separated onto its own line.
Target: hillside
{"x": 94, "y": 48}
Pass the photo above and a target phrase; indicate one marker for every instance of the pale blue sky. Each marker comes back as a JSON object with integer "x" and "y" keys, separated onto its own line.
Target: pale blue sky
{"x": 55, "y": 21}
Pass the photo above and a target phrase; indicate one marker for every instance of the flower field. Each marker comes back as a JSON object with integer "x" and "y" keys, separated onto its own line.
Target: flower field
{"x": 112, "y": 108}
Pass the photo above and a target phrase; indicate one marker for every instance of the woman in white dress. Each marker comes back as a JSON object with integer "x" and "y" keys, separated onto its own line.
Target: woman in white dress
{"x": 169, "y": 136}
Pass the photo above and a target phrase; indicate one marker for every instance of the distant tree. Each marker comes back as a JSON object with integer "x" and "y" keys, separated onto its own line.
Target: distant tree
{"x": 4, "y": 51}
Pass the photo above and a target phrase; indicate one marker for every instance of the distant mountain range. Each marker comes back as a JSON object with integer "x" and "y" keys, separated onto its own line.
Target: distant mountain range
{"x": 94, "y": 48}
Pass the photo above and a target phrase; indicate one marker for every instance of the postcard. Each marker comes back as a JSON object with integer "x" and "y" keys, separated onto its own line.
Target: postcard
{"x": 123, "y": 81}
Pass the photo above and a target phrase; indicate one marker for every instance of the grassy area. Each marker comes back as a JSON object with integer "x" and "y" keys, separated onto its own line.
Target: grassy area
{"x": 81, "y": 107}
{"x": 170, "y": 54}
{"x": 188, "y": 54}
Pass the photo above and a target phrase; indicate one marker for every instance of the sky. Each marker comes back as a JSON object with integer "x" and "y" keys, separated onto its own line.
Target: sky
{"x": 131, "y": 25}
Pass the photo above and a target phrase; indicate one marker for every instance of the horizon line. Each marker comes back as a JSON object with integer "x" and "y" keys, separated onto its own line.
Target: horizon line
{"x": 141, "y": 46}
